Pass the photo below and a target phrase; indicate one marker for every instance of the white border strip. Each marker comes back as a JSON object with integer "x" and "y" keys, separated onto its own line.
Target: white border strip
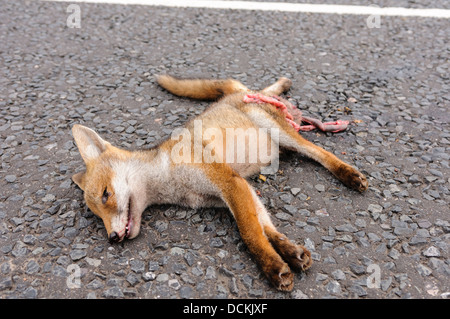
{"x": 281, "y": 6}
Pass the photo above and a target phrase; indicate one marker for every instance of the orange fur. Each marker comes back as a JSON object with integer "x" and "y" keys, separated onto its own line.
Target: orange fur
{"x": 199, "y": 88}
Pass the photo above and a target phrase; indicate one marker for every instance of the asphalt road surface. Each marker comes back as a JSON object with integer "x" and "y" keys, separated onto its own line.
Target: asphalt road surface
{"x": 391, "y": 80}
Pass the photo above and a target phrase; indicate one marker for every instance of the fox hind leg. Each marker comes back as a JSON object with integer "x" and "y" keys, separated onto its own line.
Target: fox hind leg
{"x": 297, "y": 256}
{"x": 346, "y": 173}
{"x": 282, "y": 85}
{"x": 290, "y": 139}
{"x": 246, "y": 210}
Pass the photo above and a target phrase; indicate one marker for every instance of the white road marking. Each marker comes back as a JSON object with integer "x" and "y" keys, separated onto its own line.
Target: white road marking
{"x": 281, "y": 6}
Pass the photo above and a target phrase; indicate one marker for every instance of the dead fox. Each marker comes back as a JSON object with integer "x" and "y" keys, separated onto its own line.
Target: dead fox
{"x": 118, "y": 184}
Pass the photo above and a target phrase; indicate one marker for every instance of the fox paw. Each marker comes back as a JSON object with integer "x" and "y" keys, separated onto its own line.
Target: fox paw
{"x": 285, "y": 83}
{"x": 280, "y": 276}
{"x": 298, "y": 257}
{"x": 352, "y": 178}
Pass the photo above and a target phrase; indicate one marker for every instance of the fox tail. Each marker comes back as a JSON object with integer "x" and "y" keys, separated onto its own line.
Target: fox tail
{"x": 200, "y": 89}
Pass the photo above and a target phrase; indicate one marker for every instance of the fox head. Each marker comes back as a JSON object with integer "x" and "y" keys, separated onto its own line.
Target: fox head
{"x": 110, "y": 184}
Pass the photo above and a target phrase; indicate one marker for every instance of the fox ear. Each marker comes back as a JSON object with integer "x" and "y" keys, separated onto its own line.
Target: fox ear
{"x": 78, "y": 179}
{"x": 89, "y": 143}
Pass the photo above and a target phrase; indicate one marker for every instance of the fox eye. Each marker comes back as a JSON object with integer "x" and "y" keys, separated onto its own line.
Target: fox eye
{"x": 105, "y": 195}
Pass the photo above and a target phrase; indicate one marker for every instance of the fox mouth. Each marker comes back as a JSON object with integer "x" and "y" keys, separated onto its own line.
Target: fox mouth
{"x": 129, "y": 225}
{"x": 126, "y": 233}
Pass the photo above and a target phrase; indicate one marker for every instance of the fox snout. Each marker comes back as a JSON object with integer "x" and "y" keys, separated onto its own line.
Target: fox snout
{"x": 113, "y": 237}
{"x": 117, "y": 236}
{"x": 120, "y": 227}
{"x": 123, "y": 224}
